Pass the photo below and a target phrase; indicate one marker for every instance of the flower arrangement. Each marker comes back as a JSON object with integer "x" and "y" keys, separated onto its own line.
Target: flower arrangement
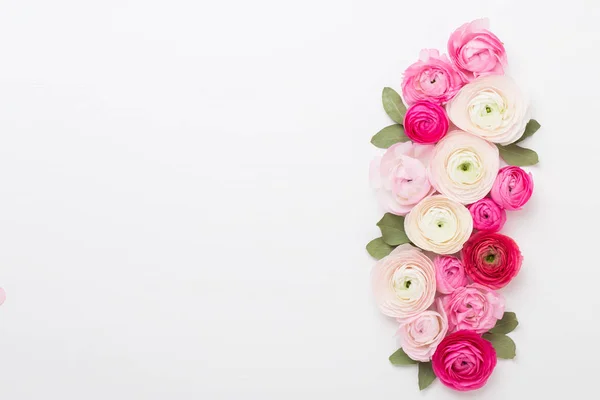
{"x": 446, "y": 194}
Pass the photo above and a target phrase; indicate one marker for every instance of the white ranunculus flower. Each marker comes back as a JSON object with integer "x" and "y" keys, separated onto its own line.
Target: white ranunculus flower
{"x": 439, "y": 224}
{"x": 404, "y": 282}
{"x": 463, "y": 167}
{"x": 491, "y": 107}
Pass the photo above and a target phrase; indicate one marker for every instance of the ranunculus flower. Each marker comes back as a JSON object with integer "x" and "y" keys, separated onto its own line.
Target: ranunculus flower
{"x": 513, "y": 188}
{"x": 420, "y": 335}
{"x": 473, "y": 307}
{"x": 476, "y": 51}
{"x": 464, "y": 361}
{"x": 400, "y": 176}
{"x": 491, "y": 259}
{"x": 449, "y": 274}
{"x": 432, "y": 78}
{"x": 439, "y": 224}
{"x": 463, "y": 167}
{"x": 487, "y": 215}
{"x": 404, "y": 282}
{"x": 492, "y": 108}
{"x": 425, "y": 122}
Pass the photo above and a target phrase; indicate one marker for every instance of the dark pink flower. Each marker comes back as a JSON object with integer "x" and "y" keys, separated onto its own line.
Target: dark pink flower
{"x": 464, "y": 361}
{"x": 487, "y": 215}
{"x": 426, "y": 122}
{"x": 491, "y": 259}
{"x": 512, "y": 188}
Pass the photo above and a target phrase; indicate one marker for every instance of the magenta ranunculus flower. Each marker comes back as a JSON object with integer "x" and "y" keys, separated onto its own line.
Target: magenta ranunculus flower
{"x": 449, "y": 274}
{"x": 487, "y": 215}
{"x": 512, "y": 188}
{"x": 432, "y": 78}
{"x": 426, "y": 122}
{"x": 473, "y": 307}
{"x": 464, "y": 361}
{"x": 476, "y": 51}
{"x": 491, "y": 259}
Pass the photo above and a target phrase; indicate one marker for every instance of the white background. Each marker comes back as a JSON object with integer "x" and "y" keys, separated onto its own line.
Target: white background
{"x": 184, "y": 200}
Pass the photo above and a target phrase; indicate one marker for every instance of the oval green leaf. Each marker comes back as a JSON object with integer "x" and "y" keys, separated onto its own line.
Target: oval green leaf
{"x": 378, "y": 249}
{"x": 504, "y": 346}
{"x": 393, "y": 105}
{"x": 388, "y": 136}
{"x": 531, "y": 128}
{"x": 507, "y": 324}
{"x": 392, "y": 229}
{"x": 519, "y": 156}
{"x": 426, "y": 375}
{"x": 401, "y": 358}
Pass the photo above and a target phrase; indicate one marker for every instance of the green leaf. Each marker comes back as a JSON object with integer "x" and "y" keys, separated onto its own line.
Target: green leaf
{"x": 378, "y": 249}
{"x": 401, "y": 358}
{"x": 507, "y": 324}
{"x": 388, "y": 136}
{"x": 393, "y": 105}
{"x": 531, "y": 128}
{"x": 519, "y": 156}
{"x": 426, "y": 375}
{"x": 504, "y": 346}
{"x": 392, "y": 229}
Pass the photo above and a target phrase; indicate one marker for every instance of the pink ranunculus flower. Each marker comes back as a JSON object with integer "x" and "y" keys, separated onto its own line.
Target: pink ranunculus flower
{"x": 400, "y": 176}
{"x": 432, "y": 78}
{"x": 419, "y": 336}
{"x": 491, "y": 259}
{"x": 426, "y": 122}
{"x": 513, "y": 188}
{"x": 487, "y": 215}
{"x": 473, "y": 307}
{"x": 449, "y": 274}
{"x": 464, "y": 361}
{"x": 403, "y": 282}
{"x": 476, "y": 51}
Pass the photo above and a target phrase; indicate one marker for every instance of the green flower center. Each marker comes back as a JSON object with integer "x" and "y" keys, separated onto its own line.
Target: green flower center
{"x": 488, "y": 109}
{"x": 407, "y": 284}
{"x": 465, "y": 166}
{"x": 490, "y": 258}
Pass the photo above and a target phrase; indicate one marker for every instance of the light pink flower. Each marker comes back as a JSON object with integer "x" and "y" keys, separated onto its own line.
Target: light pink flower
{"x": 419, "y": 336}
{"x": 403, "y": 282}
{"x": 432, "y": 78}
{"x": 487, "y": 215}
{"x": 449, "y": 274}
{"x": 513, "y": 188}
{"x": 400, "y": 176}
{"x": 476, "y": 51}
{"x": 473, "y": 307}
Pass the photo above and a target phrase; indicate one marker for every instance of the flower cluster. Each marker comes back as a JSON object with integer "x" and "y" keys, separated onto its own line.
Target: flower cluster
{"x": 450, "y": 172}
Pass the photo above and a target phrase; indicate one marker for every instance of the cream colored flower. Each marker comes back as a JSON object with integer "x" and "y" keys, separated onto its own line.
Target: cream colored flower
{"x": 491, "y": 107}
{"x": 463, "y": 167}
{"x": 404, "y": 282}
{"x": 439, "y": 224}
